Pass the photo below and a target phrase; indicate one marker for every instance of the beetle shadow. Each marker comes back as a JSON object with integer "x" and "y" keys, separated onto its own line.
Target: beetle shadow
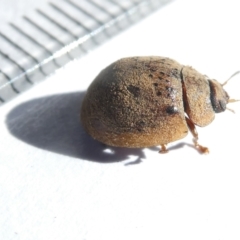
{"x": 53, "y": 123}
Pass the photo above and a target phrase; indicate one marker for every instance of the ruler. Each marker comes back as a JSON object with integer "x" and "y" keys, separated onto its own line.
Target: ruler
{"x": 35, "y": 44}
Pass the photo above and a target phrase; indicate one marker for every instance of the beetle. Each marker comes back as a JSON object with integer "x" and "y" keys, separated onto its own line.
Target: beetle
{"x": 148, "y": 101}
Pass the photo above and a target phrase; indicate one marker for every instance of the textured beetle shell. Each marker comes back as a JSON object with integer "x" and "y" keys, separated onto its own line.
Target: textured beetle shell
{"x": 197, "y": 100}
{"x": 136, "y": 102}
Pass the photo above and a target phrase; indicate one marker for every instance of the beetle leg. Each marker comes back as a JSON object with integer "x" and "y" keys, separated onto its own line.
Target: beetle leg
{"x": 194, "y": 132}
{"x": 163, "y": 148}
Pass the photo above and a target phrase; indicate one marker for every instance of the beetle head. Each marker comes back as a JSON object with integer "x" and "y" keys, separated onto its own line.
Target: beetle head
{"x": 219, "y": 97}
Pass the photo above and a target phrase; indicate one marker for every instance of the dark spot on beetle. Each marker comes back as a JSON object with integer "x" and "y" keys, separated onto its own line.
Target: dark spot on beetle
{"x": 153, "y": 68}
{"x": 150, "y": 75}
{"x": 171, "y": 110}
{"x": 175, "y": 73}
{"x": 134, "y": 90}
{"x": 140, "y": 125}
{"x": 160, "y": 78}
{"x": 170, "y": 89}
{"x": 155, "y": 84}
{"x": 159, "y": 93}
{"x": 162, "y": 73}
{"x": 167, "y": 80}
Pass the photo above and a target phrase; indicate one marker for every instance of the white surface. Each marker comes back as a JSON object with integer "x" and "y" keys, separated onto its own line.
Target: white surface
{"x": 54, "y": 181}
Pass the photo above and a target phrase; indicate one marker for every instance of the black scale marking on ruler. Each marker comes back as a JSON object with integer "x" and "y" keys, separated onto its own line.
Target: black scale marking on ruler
{"x": 93, "y": 23}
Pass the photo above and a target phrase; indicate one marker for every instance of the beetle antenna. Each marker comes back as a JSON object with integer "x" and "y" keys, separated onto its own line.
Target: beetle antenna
{"x": 233, "y": 100}
{"x": 236, "y": 73}
{"x": 231, "y": 110}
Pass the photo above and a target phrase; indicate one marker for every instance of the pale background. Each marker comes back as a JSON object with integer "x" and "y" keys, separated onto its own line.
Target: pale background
{"x": 57, "y": 183}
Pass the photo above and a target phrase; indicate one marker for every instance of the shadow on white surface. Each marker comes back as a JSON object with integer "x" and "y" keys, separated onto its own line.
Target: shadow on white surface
{"x": 53, "y": 123}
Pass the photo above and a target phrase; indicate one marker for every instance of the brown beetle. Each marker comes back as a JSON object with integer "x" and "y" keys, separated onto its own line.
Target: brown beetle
{"x": 148, "y": 101}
